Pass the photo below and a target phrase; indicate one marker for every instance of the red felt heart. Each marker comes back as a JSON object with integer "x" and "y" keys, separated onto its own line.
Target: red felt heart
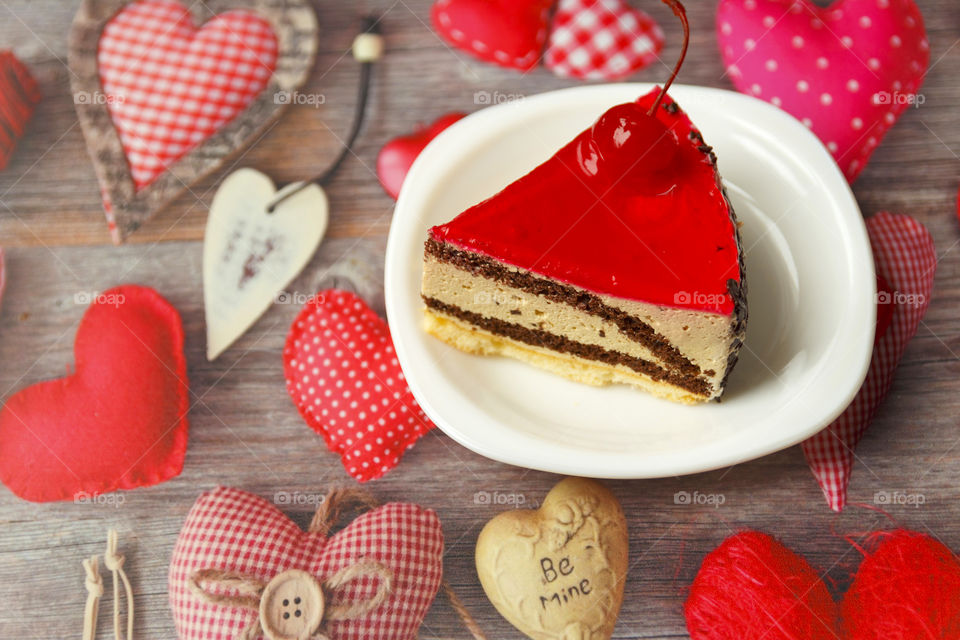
{"x": 119, "y": 422}
{"x": 397, "y": 156}
{"x": 908, "y": 587}
{"x": 345, "y": 379}
{"x": 753, "y": 587}
{"x": 235, "y": 531}
{"x": 169, "y": 86}
{"x": 847, "y": 71}
{"x": 601, "y": 40}
{"x": 510, "y": 33}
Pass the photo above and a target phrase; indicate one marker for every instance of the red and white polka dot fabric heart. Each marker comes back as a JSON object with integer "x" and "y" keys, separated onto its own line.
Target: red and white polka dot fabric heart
{"x": 344, "y": 377}
{"x": 847, "y": 71}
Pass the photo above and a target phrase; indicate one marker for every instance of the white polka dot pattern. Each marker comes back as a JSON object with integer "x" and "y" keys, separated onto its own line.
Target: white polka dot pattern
{"x": 601, "y": 40}
{"x": 849, "y": 70}
{"x": 169, "y": 86}
{"x": 344, "y": 377}
{"x": 236, "y": 531}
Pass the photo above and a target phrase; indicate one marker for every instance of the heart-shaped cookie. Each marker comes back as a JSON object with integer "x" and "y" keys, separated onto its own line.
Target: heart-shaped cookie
{"x": 558, "y": 572}
{"x": 601, "y": 40}
{"x": 509, "y": 33}
{"x": 250, "y": 255}
{"x": 847, "y": 71}
{"x": 397, "y": 156}
{"x": 229, "y": 531}
{"x": 753, "y": 587}
{"x": 162, "y": 102}
{"x": 344, "y": 377}
{"x": 119, "y": 422}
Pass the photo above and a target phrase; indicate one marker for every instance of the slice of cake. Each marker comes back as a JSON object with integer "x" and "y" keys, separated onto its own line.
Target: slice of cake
{"x": 618, "y": 260}
{"x": 606, "y": 264}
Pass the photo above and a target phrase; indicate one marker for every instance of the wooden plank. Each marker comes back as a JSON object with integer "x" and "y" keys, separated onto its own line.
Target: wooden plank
{"x": 245, "y": 431}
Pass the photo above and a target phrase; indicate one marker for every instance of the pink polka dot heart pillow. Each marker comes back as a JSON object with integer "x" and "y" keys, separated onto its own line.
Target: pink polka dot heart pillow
{"x": 344, "y": 377}
{"x": 847, "y": 71}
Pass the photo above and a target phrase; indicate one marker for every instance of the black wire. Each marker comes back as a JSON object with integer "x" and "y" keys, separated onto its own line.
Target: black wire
{"x": 359, "y": 112}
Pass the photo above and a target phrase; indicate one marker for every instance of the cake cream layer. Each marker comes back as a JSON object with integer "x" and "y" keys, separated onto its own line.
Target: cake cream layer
{"x": 468, "y": 337}
{"x": 690, "y": 349}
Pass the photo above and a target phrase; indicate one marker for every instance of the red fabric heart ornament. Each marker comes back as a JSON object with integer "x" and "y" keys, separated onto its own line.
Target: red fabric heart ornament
{"x": 232, "y": 531}
{"x": 601, "y": 40}
{"x": 906, "y": 262}
{"x": 847, "y": 71}
{"x": 753, "y": 587}
{"x": 169, "y": 86}
{"x": 509, "y": 33}
{"x": 119, "y": 422}
{"x": 18, "y": 96}
{"x": 397, "y": 156}
{"x": 344, "y": 377}
{"x": 907, "y": 587}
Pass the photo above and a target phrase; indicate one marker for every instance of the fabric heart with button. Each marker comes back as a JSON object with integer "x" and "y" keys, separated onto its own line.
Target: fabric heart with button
{"x": 119, "y": 421}
{"x": 242, "y": 570}
{"x": 847, "y": 71}
{"x": 344, "y": 377}
{"x": 584, "y": 39}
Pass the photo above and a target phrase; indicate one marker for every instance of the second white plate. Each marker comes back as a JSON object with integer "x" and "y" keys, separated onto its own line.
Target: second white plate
{"x": 811, "y": 296}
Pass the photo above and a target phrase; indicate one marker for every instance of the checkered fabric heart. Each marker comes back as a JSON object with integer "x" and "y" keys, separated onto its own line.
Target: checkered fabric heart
{"x": 169, "y": 86}
{"x": 235, "y": 531}
{"x": 601, "y": 40}
{"x": 344, "y": 377}
{"x": 18, "y": 95}
{"x": 906, "y": 258}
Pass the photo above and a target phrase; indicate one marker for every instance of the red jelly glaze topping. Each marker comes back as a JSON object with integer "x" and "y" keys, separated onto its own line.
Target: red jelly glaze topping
{"x": 599, "y": 217}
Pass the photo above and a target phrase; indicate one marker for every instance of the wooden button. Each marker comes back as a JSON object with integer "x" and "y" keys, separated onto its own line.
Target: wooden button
{"x": 291, "y": 607}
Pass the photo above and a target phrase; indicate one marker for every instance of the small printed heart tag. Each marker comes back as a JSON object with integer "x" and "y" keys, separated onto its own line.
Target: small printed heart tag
{"x": 558, "y": 572}
{"x": 250, "y": 254}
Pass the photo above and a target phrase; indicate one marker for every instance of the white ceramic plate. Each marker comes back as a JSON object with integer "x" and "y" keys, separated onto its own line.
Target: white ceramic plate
{"x": 811, "y": 295}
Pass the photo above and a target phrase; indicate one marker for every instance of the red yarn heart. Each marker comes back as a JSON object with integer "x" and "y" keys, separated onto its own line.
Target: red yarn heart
{"x": 753, "y": 587}
{"x": 848, "y": 71}
{"x": 908, "y": 587}
{"x": 18, "y": 96}
{"x": 601, "y": 40}
{"x": 344, "y": 377}
{"x": 397, "y": 156}
{"x": 169, "y": 86}
{"x": 119, "y": 422}
{"x": 510, "y": 33}
{"x": 235, "y": 531}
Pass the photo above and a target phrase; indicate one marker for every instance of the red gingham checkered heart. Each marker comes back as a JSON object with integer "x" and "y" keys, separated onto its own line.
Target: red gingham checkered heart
{"x": 169, "y": 86}
{"x": 906, "y": 259}
{"x": 232, "y": 530}
{"x": 601, "y": 40}
{"x": 344, "y": 377}
{"x": 18, "y": 95}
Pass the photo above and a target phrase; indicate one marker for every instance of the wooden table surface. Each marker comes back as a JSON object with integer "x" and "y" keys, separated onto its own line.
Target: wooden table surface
{"x": 245, "y": 432}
